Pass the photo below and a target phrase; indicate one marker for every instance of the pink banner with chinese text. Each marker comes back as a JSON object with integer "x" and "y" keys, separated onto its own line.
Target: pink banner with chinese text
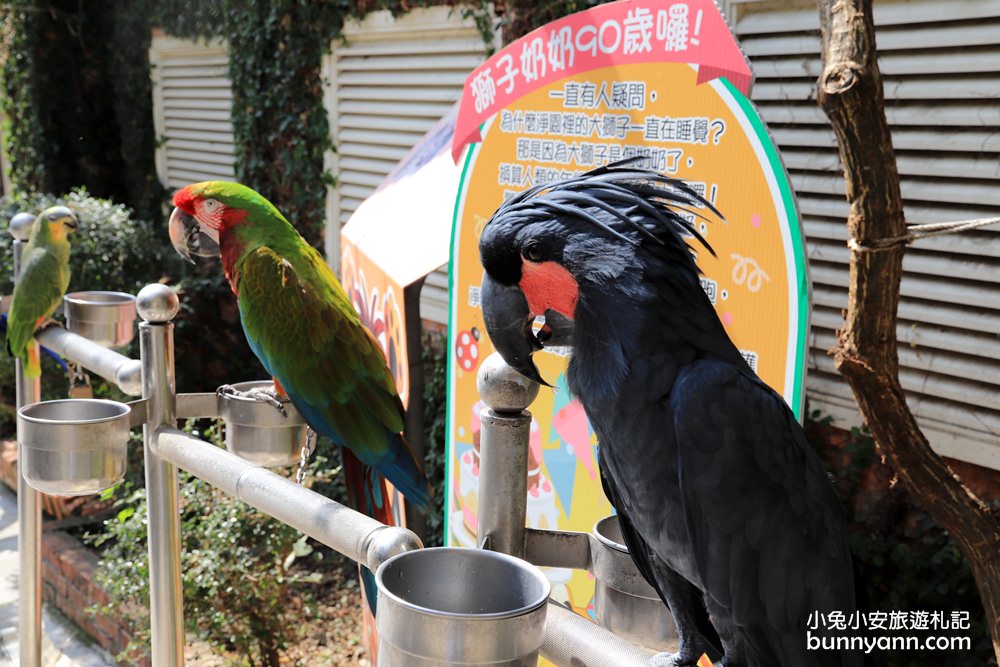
{"x": 618, "y": 33}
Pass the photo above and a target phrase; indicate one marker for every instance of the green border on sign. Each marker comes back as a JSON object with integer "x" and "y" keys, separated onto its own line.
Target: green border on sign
{"x": 796, "y": 400}
{"x": 449, "y": 445}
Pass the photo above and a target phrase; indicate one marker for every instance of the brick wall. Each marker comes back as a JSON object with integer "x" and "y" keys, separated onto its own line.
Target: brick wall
{"x": 68, "y": 569}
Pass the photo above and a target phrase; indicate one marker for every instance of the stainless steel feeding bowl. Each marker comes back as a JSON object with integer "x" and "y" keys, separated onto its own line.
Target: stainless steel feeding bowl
{"x": 73, "y": 447}
{"x": 456, "y": 606}
{"x": 257, "y": 432}
{"x": 623, "y": 601}
{"x": 107, "y": 318}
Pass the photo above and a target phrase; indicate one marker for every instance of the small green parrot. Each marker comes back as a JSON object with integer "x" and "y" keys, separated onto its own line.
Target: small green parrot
{"x": 41, "y": 285}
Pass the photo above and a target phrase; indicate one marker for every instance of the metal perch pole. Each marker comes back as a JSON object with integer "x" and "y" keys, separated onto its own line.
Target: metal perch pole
{"x": 157, "y": 305}
{"x": 566, "y": 639}
{"x": 353, "y": 534}
{"x": 570, "y": 640}
{"x": 29, "y": 502}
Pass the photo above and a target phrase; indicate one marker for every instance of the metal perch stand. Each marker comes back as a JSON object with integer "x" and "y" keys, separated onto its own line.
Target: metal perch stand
{"x": 436, "y": 606}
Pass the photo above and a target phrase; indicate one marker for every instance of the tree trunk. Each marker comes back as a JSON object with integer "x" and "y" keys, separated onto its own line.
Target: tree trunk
{"x": 850, "y": 92}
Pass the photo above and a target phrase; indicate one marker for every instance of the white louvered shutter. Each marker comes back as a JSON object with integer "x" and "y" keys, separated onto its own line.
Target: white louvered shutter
{"x": 391, "y": 80}
{"x": 192, "y": 100}
{"x": 941, "y": 65}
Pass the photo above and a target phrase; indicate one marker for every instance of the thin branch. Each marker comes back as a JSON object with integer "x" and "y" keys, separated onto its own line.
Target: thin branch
{"x": 850, "y": 92}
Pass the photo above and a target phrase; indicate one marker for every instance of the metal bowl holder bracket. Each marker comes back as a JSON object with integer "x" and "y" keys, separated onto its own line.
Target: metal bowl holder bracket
{"x": 568, "y": 639}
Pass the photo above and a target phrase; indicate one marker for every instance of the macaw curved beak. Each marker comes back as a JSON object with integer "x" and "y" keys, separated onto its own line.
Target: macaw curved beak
{"x": 189, "y": 238}
{"x": 509, "y": 322}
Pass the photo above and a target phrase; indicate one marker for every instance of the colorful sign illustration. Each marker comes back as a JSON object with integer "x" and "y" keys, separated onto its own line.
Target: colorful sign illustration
{"x": 628, "y": 79}
{"x": 379, "y": 302}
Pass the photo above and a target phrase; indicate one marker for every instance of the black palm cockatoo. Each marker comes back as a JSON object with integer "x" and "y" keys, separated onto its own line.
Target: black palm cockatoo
{"x": 724, "y": 506}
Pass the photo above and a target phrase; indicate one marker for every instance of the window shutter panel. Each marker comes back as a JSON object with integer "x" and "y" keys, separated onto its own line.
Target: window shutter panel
{"x": 391, "y": 81}
{"x": 192, "y": 101}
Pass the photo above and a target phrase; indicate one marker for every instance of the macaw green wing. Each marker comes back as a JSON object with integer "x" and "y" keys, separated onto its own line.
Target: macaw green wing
{"x": 38, "y": 293}
{"x": 301, "y": 325}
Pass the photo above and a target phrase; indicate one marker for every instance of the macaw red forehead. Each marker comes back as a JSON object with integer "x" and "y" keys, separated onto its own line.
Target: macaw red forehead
{"x": 184, "y": 199}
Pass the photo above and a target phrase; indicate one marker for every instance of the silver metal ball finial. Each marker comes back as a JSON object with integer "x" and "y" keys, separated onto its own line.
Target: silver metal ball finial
{"x": 20, "y": 226}
{"x": 157, "y": 303}
{"x": 502, "y": 388}
{"x": 388, "y": 542}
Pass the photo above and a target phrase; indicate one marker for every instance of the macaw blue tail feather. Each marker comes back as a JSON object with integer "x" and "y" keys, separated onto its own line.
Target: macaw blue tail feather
{"x": 400, "y": 467}
{"x": 369, "y": 588}
{"x": 397, "y": 464}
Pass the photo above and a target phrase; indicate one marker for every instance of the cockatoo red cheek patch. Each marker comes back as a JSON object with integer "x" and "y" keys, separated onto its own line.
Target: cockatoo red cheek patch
{"x": 549, "y": 285}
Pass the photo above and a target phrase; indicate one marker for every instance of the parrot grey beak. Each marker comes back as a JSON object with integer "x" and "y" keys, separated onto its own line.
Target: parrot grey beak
{"x": 189, "y": 239}
{"x": 508, "y": 323}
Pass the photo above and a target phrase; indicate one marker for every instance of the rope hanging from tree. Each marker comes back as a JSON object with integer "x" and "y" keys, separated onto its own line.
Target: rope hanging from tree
{"x": 920, "y": 232}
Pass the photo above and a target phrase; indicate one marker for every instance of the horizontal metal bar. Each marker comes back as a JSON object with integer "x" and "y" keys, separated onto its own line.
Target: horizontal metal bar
{"x": 557, "y": 548}
{"x": 571, "y": 640}
{"x": 110, "y": 365}
{"x": 359, "y": 537}
{"x": 140, "y": 412}
{"x": 197, "y": 406}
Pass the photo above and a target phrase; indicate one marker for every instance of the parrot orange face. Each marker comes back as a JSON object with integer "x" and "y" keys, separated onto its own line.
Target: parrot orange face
{"x": 61, "y": 221}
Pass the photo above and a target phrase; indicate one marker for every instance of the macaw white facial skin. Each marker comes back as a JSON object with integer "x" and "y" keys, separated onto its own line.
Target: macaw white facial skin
{"x": 198, "y": 234}
{"x": 208, "y": 212}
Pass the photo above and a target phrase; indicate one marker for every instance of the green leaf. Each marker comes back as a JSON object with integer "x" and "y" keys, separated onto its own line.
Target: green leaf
{"x": 302, "y": 548}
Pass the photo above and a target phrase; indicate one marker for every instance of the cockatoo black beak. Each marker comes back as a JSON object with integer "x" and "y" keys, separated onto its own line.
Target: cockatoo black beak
{"x": 189, "y": 238}
{"x": 509, "y": 322}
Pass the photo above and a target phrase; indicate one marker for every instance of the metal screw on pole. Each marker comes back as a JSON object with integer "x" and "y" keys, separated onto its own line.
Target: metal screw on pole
{"x": 29, "y": 506}
{"x": 157, "y": 305}
{"x": 503, "y": 455}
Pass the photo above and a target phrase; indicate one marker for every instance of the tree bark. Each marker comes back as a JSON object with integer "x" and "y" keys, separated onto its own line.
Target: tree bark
{"x": 850, "y": 92}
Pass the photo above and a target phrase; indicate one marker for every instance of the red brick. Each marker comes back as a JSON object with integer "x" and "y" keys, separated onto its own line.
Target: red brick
{"x": 97, "y": 594}
{"x": 102, "y": 639}
{"x": 57, "y": 542}
{"x": 49, "y": 593}
{"x": 68, "y": 573}
{"x": 74, "y": 562}
{"x": 76, "y": 602}
{"x": 106, "y": 624}
{"x": 54, "y": 578}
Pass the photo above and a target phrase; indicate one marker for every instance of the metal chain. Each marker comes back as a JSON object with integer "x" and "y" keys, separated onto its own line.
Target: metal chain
{"x": 79, "y": 381}
{"x": 304, "y": 454}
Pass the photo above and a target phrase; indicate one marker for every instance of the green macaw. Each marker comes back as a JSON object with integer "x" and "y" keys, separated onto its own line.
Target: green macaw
{"x": 303, "y": 328}
{"x": 41, "y": 285}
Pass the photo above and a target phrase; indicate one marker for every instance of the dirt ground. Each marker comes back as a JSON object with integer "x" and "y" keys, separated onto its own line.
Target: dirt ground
{"x": 334, "y": 639}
